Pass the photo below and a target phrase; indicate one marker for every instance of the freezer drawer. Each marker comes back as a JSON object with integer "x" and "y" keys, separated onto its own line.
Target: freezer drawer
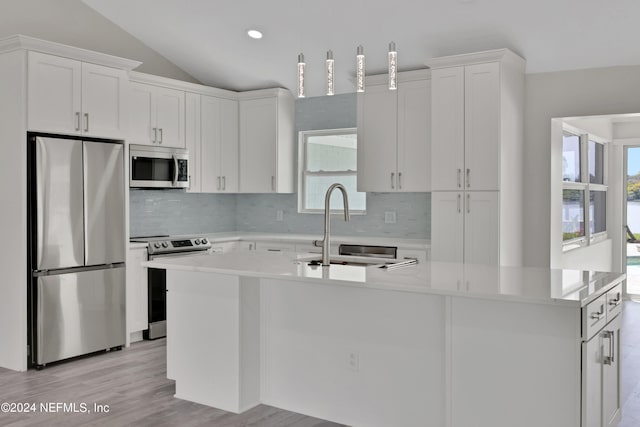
{"x": 79, "y": 313}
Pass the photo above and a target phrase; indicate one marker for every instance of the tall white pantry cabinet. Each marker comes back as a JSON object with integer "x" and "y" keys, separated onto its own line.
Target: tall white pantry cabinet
{"x": 476, "y": 157}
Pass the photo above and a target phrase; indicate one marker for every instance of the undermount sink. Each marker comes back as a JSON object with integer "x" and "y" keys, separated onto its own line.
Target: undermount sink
{"x": 351, "y": 260}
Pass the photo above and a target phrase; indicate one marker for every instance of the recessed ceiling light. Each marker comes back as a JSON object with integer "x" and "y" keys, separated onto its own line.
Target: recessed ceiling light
{"x": 254, "y": 34}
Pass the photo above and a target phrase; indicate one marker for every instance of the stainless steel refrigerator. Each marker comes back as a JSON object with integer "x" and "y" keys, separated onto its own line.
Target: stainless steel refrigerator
{"x": 76, "y": 247}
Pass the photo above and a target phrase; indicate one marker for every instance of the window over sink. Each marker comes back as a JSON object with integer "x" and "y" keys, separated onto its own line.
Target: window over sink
{"x": 324, "y": 158}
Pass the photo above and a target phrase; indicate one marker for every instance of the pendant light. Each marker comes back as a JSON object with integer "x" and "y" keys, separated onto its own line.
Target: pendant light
{"x": 329, "y": 73}
{"x": 301, "y": 66}
{"x": 393, "y": 67}
{"x": 360, "y": 69}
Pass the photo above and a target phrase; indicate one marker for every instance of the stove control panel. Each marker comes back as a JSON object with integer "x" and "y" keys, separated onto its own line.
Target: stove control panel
{"x": 178, "y": 245}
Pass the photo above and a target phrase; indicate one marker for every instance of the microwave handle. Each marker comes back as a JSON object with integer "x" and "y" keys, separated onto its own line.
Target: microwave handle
{"x": 175, "y": 170}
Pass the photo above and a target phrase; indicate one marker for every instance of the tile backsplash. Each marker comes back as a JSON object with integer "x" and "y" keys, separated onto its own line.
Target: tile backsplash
{"x": 177, "y": 212}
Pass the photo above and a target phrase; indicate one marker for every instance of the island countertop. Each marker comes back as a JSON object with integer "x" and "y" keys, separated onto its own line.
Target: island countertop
{"x": 525, "y": 284}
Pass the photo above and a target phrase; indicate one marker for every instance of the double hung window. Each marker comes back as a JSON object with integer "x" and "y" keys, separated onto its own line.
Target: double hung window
{"x": 584, "y": 188}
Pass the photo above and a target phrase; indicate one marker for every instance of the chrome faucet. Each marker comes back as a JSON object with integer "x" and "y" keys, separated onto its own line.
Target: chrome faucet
{"x": 327, "y": 224}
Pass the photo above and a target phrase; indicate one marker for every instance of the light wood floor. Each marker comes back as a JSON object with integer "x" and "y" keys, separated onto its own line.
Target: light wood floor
{"x": 132, "y": 382}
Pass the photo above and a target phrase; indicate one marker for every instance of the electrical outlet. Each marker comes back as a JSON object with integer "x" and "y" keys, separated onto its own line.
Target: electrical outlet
{"x": 279, "y": 215}
{"x": 354, "y": 362}
{"x": 390, "y": 217}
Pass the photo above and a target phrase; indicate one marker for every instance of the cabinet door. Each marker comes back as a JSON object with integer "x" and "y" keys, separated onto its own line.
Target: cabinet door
{"x": 103, "y": 93}
{"x": 482, "y": 228}
{"x": 592, "y": 382}
{"x": 447, "y": 229}
{"x": 258, "y": 145}
{"x": 482, "y": 126}
{"x": 210, "y": 145}
{"x": 611, "y": 373}
{"x": 137, "y": 316}
{"x": 229, "y": 145}
{"x": 447, "y": 128}
{"x": 192, "y": 140}
{"x": 414, "y": 136}
{"x": 142, "y": 114}
{"x": 170, "y": 117}
{"x": 377, "y": 139}
{"x": 54, "y": 94}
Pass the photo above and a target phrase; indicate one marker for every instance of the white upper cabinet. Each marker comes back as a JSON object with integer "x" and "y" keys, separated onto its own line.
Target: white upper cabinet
{"x": 157, "y": 115}
{"x": 266, "y": 153}
{"x": 466, "y": 127}
{"x": 219, "y": 145}
{"x": 447, "y": 129}
{"x": 394, "y": 134}
{"x": 476, "y": 151}
{"x": 75, "y": 98}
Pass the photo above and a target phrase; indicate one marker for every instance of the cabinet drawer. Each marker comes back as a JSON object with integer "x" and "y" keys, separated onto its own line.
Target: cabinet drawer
{"x": 614, "y": 302}
{"x": 594, "y": 317}
{"x": 275, "y": 247}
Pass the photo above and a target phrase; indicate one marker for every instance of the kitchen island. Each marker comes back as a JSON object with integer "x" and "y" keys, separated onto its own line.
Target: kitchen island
{"x": 435, "y": 344}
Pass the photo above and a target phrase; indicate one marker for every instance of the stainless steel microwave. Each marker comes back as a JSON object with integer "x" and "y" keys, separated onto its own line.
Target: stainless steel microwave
{"x": 158, "y": 167}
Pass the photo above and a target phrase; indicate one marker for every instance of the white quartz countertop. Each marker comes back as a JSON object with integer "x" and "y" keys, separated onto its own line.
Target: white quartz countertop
{"x": 524, "y": 284}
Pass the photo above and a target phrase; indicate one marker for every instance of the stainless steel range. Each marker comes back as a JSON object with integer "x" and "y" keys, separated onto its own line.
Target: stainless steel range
{"x": 161, "y": 247}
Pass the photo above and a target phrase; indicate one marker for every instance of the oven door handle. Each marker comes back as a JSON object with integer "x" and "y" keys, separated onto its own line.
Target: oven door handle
{"x": 175, "y": 170}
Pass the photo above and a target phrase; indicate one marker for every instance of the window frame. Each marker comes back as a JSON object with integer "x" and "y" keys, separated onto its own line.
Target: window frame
{"x": 588, "y": 187}
{"x": 303, "y": 171}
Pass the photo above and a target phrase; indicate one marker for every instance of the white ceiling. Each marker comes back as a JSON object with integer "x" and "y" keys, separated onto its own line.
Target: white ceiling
{"x": 207, "y": 38}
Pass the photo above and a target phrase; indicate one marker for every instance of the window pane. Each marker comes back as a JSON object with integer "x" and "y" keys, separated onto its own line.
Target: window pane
{"x": 598, "y": 211}
{"x": 316, "y": 188}
{"x": 572, "y": 214}
{"x": 596, "y": 163}
{"x": 332, "y": 153}
{"x": 570, "y": 157}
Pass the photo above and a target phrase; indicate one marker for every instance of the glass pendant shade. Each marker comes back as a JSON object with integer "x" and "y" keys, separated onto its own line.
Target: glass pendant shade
{"x": 301, "y": 65}
{"x": 393, "y": 67}
{"x": 330, "y": 65}
{"x": 360, "y": 69}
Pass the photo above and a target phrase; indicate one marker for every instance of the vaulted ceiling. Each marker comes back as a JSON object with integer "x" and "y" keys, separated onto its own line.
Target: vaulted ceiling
{"x": 207, "y": 38}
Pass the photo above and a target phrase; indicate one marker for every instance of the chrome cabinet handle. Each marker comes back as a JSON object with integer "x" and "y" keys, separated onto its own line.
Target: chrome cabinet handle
{"x": 611, "y": 358}
{"x": 616, "y": 301}
{"x": 459, "y": 200}
{"x": 273, "y": 183}
{"x": 161, "y": 138}
{"x": 155, "y": 135}
{"x": 468, "y": 203}
{"x": 598, "y": 314}
{"x": 86, "y": 122}
{"x": 468, "y": 178}
{"x": 218, "y": 183}
{"x": 78, "y": 120}
{"x": 459, "y": 178}
{"x": 399, "y": 180}
{"x": 224, "y": 182}
{"x": 393, "y": 180}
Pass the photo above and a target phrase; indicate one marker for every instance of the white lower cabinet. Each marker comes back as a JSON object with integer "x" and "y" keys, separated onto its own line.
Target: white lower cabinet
{"x": 601, "y": 362}
{"x": 465, "y": 227}
{"x": 137, "y": 292}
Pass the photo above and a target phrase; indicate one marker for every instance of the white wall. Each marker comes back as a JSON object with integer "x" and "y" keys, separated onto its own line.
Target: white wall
{"x": 73, "y": 23}
{"x": 613, "y": 90}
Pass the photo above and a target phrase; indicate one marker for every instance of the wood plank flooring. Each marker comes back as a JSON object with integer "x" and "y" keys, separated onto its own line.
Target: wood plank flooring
{"x": 132, "y": 383}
